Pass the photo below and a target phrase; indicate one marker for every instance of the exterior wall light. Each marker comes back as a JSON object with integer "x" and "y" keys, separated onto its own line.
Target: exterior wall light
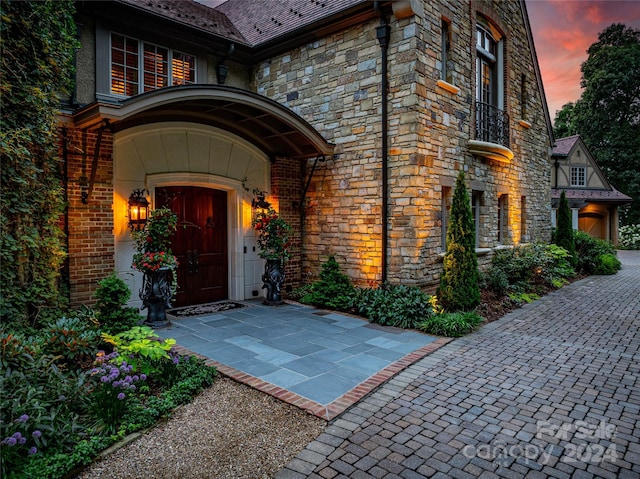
{"x": 138, "y": 210}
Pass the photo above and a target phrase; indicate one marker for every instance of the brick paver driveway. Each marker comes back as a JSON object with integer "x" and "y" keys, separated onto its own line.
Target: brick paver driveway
{"x": 550, "y": 390}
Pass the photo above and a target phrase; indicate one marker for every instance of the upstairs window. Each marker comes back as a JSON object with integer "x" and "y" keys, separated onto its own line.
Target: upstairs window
{"x": 138, "y": 67}
{"x": 492, "y": 123}
{"x": 445, "y": 40}
{"x": 578, "y": 176}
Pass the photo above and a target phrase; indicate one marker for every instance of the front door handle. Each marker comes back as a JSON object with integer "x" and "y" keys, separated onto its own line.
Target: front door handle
{"x": 195, "y": 261}
{"x": 189, "y": 262}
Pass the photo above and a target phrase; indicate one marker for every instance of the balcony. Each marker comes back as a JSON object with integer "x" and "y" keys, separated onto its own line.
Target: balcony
{"x": 492, "y": 134}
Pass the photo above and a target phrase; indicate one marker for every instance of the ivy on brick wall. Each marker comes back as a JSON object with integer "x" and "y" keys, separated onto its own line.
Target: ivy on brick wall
{"x": 37, "y": 40}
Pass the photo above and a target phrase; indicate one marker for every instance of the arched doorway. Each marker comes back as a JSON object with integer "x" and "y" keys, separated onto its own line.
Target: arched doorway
{"x": 208, "y": 136}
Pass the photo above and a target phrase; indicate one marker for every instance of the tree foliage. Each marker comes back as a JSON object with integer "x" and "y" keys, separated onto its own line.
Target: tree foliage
{"x": 37, "y": 41}
{"x": 607, "y": 115}
{"x": 563, "y": 124}
{"x": 459, "y": 289}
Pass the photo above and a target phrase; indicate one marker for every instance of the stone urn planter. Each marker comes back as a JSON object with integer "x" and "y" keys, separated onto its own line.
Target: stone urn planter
{"x": 273, "y": 279}
{"x": 273, "y": 234}
{"x": 156, "y": 296}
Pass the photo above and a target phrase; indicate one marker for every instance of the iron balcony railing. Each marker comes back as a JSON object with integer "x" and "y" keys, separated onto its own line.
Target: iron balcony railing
{"x": 492, "y": 124}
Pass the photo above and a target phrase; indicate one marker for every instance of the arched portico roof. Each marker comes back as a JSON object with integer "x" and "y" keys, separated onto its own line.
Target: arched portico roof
{"x": 270, "y": 126}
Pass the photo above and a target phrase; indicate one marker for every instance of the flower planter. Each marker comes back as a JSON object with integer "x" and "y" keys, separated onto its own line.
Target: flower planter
{"x": 156, "y": 297}
{"x": 273, "y": 279}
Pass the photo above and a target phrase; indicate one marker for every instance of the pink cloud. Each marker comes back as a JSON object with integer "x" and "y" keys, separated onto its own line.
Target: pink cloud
{"x": 563, "y": 30}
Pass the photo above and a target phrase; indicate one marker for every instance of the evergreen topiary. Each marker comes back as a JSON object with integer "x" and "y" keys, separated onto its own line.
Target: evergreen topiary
{"x": 564, "y": 232}
{"x": 459, "y": 289}
{"x": 333, "y": 289}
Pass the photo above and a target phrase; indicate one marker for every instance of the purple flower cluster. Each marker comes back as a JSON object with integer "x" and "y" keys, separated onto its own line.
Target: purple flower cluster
{"x": 17, "y": 439}
{"x": 118, "y": 376}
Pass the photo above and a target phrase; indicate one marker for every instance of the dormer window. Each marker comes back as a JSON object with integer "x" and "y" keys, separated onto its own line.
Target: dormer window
{"x": 578, "y": 176}
{"x": 138, "y": 67}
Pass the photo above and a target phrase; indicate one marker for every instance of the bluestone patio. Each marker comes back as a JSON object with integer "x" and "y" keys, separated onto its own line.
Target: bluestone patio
{"x": 321, "y": 361}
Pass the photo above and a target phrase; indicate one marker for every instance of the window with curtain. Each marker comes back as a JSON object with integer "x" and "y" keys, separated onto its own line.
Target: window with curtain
{"x": 138, "y": 67}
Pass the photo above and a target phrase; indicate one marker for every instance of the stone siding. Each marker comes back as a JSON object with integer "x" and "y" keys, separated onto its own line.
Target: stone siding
{"x": 335, "y": 84}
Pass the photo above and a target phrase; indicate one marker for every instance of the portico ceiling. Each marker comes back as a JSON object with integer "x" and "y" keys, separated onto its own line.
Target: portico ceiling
{"x": 270, "y": 126}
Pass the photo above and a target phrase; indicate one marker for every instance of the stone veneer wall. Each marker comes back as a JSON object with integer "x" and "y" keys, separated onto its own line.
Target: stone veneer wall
{"x": 334, "y": 84}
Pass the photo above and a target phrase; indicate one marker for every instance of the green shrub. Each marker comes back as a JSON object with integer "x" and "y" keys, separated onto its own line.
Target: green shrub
{"x": 297, "y": 294}
{"x": 451, "y": 324}
{"x": 496, "y": 280}
{"x": 521, "y": 298}
{"x": 459, "y": 288}
{"x": 41, "y": 405}
{"x": 142, "y": 347}
{"x": 588, "y": 250}
{"x": 529, "y": 265}
{"x": 333, "y": 290}
{"x": 393, "y": 305}
{"x": 71, "y": 337}
{"x": 607, "y": 264}
{"x": 112, "y": 295}
{"x": 564, "y": 233}
{"x": 629, "y": 236}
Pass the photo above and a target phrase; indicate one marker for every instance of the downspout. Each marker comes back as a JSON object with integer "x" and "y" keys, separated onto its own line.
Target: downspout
{"x": 383, "y": 32}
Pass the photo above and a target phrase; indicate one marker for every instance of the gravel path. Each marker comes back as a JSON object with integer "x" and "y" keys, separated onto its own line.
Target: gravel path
{"x": 230, "y": 431}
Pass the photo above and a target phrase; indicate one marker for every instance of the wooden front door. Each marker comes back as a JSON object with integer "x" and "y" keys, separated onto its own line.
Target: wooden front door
{"x": 200, "y": 243}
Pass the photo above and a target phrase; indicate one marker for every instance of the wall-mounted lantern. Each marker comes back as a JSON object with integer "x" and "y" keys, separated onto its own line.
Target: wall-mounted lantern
{"x": 138, "y": 210}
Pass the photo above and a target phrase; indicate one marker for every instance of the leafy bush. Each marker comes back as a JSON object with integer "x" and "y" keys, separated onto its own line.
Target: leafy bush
{"x": 297, "y": 294}
{"x": 607, "y": 264}
{"x": 526, "y": 266}
{"x": 41, "y": 405}
{"x": 333, "y": 290}
{"x": 496, "y": 280}
{"x": 53, "y": 419}
{"x": 521, "y": 298}
{"x": 393, "y": 305}
{"x": 142, "y": 347}
{"x": 112, "y": 295}
{"x": 451, "y": 324}
{"x": 71, "y": 337}
{"x": 629, "y": 236}
{"x": 588, "y": 250}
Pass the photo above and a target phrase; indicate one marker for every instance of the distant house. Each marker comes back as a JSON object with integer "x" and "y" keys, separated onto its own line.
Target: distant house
{"x": 355, "y": 117}
{"x": 593, "y": 201}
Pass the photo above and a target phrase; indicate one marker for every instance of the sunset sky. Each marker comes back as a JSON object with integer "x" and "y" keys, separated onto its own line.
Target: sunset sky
{"x": 563, "y": 30}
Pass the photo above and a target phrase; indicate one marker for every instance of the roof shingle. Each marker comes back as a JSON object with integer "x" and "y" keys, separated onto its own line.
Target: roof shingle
{"x": 192, "y": 14}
